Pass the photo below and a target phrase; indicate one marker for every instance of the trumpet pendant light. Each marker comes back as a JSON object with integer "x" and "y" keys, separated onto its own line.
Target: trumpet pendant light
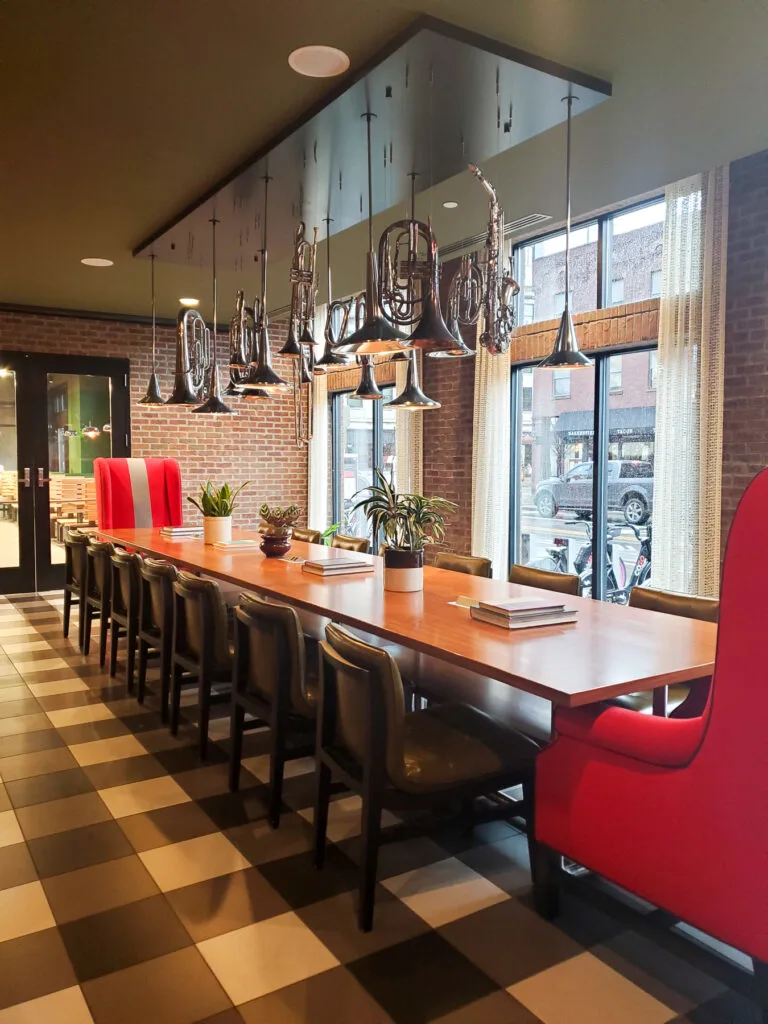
{"x": 412, "y": 398}
{"x": 376, "y": 334}
{"x": 262, "y": 377}
{"x": 153, "y": 395}
{"x": 566, "y": 352}
{"x": 368, "y": 388}
{"x": 329, "y": 357}
{"x": 214, "y": 405}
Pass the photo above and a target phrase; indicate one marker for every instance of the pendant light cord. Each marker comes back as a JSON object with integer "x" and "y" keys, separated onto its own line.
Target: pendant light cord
{"x": 328, "y": 254}
{"x": 267, "y": 180}
{"x": 569, "y": 101}
{"x": 214, "y": 222}
{"x": 368, "y": 117}
{"x": 154, "y": 319}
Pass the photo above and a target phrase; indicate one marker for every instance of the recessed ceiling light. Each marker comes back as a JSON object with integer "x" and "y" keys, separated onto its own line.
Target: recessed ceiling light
{"x": 190, "y": 302}
{"x": 318, "y": 61}
{"x": 450, "y": 204}
{"x": 97, "y": 261}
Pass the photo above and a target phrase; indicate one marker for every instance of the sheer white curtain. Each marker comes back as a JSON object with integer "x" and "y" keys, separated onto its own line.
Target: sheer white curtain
{"x": 318, "y": 456}
{"x": 689, "y": 417}
{"x": 491, "y": 460}
{"x": 409, "y": 451}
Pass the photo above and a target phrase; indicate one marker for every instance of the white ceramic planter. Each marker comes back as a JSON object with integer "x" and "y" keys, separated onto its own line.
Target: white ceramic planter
{"x": 403, "y": 571}
{"x": 217, "y": 529}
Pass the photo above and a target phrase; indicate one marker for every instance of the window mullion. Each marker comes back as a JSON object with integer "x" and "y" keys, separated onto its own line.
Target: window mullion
{"x": 600, "y": 478}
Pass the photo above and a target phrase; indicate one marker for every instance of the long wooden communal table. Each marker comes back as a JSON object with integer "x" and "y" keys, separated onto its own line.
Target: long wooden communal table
{"x": 611, "y": 650}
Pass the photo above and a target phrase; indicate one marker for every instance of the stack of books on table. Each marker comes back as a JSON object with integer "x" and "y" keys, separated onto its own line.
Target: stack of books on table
{"x": 340, "y": 566}
{"x": 523, "y": 613}
{"x": 181, "y": 532}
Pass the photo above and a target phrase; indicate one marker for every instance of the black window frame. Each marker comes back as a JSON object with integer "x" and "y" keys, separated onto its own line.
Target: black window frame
{"x": 335, "y": 398}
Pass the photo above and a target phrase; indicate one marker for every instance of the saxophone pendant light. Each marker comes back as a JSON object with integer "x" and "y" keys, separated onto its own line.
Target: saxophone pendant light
{"x": 214, "y": 405}
{"x": 329, "y": 357}
{"x": 412, "y": 398}
{"x": 565, "y": 352}
{"x": 153, "y": 396}
{"x": 376, "y": 334}
{"x": 263, "y": 377}
{"x": 367, "y": 388}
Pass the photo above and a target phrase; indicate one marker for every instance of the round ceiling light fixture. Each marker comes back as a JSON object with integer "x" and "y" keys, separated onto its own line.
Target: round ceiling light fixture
{"x": 318, "y": 61}
{"x": 450, "y": 204}
{"x": 97, "y": 261}
{"x": 190, "y": 302}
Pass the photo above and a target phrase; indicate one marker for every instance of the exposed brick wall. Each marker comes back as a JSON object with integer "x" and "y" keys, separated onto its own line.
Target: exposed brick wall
{"x": 745, "y": 415}
{"x": 255, "y": 445}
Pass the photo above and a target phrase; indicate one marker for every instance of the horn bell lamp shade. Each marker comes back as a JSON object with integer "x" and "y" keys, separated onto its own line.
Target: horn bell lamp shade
{"x": 565, "y": 352}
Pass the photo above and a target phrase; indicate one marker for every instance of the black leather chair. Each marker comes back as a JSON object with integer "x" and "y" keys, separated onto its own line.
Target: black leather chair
{"x": 75, "y": 569}
{"x": 561, "y": 582}
{"x": 155, "y": 633}
{"x": 124, "y": 611}
{"x": 471, "y": 565}
{"x": 273, "y": 684}
{"x": 98, "y": 594}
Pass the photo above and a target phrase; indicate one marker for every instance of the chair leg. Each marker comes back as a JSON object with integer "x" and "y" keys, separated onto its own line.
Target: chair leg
{"x": 165, "y": 678}
{"x": 545, "y": 868}
{"x": 113, "y": 632}
{"x": 236, "y": 726}
{"x": 276, "y": 769}
{"x": 369, "y": 859}
{"x": 142, "y": 683}
{"x": 87, "y": 615}
{"x": 130, "y": 655}
{"x": 67, "y": 611}
{"x": 204, "y": 712}
{"x": 322, "y": 799}
{"x": 175, "y": 698}
{"x": 103, "y": 629}
{"x": 82, "y": 610}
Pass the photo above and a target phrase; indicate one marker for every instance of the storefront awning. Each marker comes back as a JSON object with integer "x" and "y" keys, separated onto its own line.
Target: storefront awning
{"x": 637, "y": 421}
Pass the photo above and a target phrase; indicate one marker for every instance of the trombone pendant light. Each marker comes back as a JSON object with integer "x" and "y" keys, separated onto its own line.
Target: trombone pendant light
{"x": 368, "y": 388}
{"x": 262, "y": 377}
{"x": 214, "y": 405}
{"x": 412, "y": 397}
{"x": 153, "y": 396}
{"x": 376, "y": 334}
{"x": 329, "y": 357}
{"x": 566, "y": 352}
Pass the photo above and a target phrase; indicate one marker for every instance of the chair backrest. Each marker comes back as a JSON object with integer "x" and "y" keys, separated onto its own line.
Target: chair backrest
{"x": 705, "y": 608}
{"x": 271, "y": 654}
{"x": 342, "y": 540}
{"x": 470, "y": 564}
{"x": 156, "y": 603}
{"x": 126, "y": 581}
{"x": 563, "y": 583}
{"x": 137, "y": 493}
{"x": 307, "y": 535}
{"x": 201, "y": 620}
{"x": 368, "y": 698}
{"x": 99, "y": 575}
{"x": 75, "y": 555}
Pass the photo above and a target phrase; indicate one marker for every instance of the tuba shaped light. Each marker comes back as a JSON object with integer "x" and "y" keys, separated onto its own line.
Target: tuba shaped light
{"x": 412, "y": 398}
{"x": 566, "y": 352}
{"x": 368, "y": 388}
{"x": 214, "y": 405}
{"x": 329, "y": 357}
{"x": 153, "y": 395}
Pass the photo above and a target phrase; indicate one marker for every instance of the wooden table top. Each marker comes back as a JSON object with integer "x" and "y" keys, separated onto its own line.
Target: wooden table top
{"x": 611, "y": 650}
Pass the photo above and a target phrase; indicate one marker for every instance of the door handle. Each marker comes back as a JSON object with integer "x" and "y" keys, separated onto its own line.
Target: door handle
{"x": 27, "y": 480}
{"x": 42, "y": 480}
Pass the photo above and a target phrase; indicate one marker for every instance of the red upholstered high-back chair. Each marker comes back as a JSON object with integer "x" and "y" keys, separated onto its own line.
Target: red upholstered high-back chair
{"x": 137, "y": 493}
{"x": 636, "y": 798}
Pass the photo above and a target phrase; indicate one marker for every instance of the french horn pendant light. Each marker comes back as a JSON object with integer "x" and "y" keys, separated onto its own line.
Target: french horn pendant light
{"x": 566, "y": 352}
{"x": 412, "y": 398}
{"x": 329, "y": 357}
{"x": 377, "y": 335}
{"x": 214, "y": 405}
{"x": 153, "y": 395}
{"x": 263, "y": 377}
{"x": 368, "y": 388}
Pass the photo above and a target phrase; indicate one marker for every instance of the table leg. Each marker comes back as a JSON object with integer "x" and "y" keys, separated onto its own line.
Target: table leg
{"x": 660, "y": 701}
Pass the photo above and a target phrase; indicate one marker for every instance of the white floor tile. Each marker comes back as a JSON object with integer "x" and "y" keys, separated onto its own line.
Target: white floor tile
{"x": 65, "y": 1007}
{"x": 445, "y": 891}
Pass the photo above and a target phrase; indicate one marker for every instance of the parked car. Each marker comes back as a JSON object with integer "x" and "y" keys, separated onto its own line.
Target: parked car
{"x": 630, "y": 490}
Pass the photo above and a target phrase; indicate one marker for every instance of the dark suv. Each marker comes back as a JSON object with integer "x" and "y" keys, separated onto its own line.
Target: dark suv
{"x": 630, "y": 490}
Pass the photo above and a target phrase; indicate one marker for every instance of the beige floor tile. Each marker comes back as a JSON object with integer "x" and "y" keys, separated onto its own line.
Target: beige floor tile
{"x": 39, "y": 762}
{"x": 259, "y": 767}
{"x": 24, "y": 909}
{"x": 77, "y": 716}
{"x": 584, "y": 990}
{"x": 97, "y": 888}
{"x": 23, "y": 723}
{"x": 140, "y": 797}
{"x": 57, "y": 686}
{"x": 10, "y": 832}
{"x": 445, "y": 891}
{"x": 47, "y": 819}
{"x": 15, "y": 628}
{"x": 263, "y": 957}
{"x": 65, "y": 1007}
{"x": 18, "y": 647}
{"x": 345, "y": 818}
{"x": 43, "y": 665}
{"x": 192, "y": 861}
{"x": 99, "y": 751}
{"x": 20, "y": 691}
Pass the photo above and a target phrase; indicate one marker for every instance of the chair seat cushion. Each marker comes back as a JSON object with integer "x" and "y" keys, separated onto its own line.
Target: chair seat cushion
{"x": 448, "y": 744}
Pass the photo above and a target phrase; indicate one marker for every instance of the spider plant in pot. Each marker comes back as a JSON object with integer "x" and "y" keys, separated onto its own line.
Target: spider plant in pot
{"x": 277, "y": 528}
{"x": 407, "y": 523}
{"x": 217, "y": 505}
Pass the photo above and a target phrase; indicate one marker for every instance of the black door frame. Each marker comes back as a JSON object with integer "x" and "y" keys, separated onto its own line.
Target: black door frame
{"x": 35, "y": 571}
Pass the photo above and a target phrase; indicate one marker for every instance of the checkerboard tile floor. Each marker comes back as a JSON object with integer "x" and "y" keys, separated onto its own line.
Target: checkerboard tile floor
{"x": 135, "y": 888}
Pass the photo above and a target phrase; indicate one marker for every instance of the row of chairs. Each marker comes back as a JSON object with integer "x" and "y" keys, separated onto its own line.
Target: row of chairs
{"x": 339, "y": 540}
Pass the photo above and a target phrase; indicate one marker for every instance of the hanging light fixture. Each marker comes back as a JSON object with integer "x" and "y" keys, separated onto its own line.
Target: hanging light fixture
{"x": 367, "y": 388}
{"x": 566, "y": 352}
{"x": 153, "y": 395}
{"x": 214, "y": 405}
{"x": 91, "y": 432}
{"x": 329, "y": 356}
{"x": 412, "y": 398}
{"x": 376, "y": 334}
{"x": 262, "y": 377}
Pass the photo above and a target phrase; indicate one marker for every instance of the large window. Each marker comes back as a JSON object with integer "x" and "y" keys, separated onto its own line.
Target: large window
{"x": 362, "y": 440}
{"x": 584, "y": 471}
{"x": 615, "y": 259}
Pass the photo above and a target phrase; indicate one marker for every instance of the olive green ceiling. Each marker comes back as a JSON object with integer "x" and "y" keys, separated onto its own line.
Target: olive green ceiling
{"x": 116, "y": 113}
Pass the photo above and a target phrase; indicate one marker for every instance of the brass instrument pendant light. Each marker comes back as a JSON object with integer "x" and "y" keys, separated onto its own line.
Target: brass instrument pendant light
{"x": 566, "y": 352}
{"x": 376, "y": 334}
{"x": 412, "y": 398}
{"x": 329, "y": 357}
{"x": 262, "y": 377}
{"x": 214, "y": 405}
{"x": 153, "y": 395}
{"x": 367, "y": 388}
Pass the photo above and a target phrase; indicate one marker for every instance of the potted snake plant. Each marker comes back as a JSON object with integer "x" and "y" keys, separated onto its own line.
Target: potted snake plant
{"x": 217, "y": 505}
{"x": 407, "y": 523}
